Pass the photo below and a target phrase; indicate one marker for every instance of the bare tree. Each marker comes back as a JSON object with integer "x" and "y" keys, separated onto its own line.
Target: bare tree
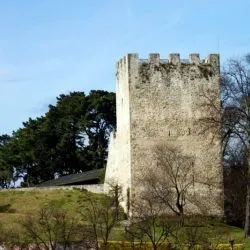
{"x": 199, "y": 232}
{"x": 134, "y": 236}
{"x": 232, "y": 117}
{"x": 9, "y": 238}
{"x": 53, "y": 229}
{"x": 236, "y": 117}
{"x": 102, "y": 214}
{"x": 149, "y": 222}
{"x": 171, "y": 183}
{"x": 115, "y": 192}
{"x": 195, "y": 235}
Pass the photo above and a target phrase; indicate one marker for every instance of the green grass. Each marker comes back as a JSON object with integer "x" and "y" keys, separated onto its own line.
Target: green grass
{"x": 30, "y": 202}
{"x": 15, "y": 205}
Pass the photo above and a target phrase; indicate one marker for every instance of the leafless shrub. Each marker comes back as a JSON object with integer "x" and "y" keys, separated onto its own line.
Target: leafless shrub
{"x": 168, "y": 186}
{"x": 54, "y": 229}
{"x": 148, "y": 223}
{"x": 102, "y": 214}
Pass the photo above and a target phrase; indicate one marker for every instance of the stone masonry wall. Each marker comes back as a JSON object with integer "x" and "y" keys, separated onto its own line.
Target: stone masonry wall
{"x": 118, "y": 170}
{"x": 161, "y": 101}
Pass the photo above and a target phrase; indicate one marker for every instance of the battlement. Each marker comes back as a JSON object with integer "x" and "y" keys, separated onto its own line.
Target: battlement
{"x": 173, "y": 58}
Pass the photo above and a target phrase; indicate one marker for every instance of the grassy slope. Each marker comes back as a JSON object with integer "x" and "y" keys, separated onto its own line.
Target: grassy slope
{"x": 17, "y": 204}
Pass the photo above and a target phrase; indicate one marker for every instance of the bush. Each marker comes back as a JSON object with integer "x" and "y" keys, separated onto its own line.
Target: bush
{"x": 219, "y": 247}
{"x": 124, "y": 245}
{"x": 228, "y": 247}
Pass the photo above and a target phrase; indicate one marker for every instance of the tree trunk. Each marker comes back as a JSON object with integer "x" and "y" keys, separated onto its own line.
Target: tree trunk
{"x": 246, "y": 227}
{"x": 181, "y": 210}
{"x": 154, "y": 247}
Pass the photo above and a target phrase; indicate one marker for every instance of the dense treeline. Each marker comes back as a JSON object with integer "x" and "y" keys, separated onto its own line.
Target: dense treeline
{"x": 71, "y": 137}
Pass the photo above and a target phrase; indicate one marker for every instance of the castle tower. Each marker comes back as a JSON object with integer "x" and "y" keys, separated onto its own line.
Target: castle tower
{"x": 163, "y": 101}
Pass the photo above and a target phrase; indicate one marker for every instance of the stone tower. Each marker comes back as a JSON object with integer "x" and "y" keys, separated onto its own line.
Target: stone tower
{"x": 162, "y": 100}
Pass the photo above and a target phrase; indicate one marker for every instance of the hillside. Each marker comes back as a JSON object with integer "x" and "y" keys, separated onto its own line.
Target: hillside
{"x": 15, "y": 205}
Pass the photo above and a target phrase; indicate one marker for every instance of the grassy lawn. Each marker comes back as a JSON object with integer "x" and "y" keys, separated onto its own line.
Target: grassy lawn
{"x": 20, "y": 203}
{"x": 15, "y": 205}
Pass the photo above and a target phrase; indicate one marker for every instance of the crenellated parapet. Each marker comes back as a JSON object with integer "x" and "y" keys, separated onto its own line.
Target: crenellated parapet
{"x": 212, "y": 60}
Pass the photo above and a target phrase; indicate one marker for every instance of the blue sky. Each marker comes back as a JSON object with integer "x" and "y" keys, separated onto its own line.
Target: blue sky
{"x": 49, "y": 47}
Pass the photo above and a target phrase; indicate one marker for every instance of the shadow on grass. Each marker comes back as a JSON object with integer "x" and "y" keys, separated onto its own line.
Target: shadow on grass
{"x": 7, "y": 209}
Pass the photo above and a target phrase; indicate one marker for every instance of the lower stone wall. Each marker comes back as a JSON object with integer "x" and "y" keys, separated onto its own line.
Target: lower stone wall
{"x": 118, "y": 166}
{"x": 94, "y": 188}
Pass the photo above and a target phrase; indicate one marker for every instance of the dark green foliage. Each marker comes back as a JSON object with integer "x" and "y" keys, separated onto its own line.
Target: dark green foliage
{"x": 6, "y": 172}
{"x": 70, "y": 138}
{"x": 99, "y": 121}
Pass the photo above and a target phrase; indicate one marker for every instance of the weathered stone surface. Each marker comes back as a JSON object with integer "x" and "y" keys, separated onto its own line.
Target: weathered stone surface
{"x": 162, "y": 101}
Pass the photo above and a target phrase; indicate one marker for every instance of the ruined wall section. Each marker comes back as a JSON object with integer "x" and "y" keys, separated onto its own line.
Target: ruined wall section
{"x": 118, "y": 170}
{"x": 166, "y": 106}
